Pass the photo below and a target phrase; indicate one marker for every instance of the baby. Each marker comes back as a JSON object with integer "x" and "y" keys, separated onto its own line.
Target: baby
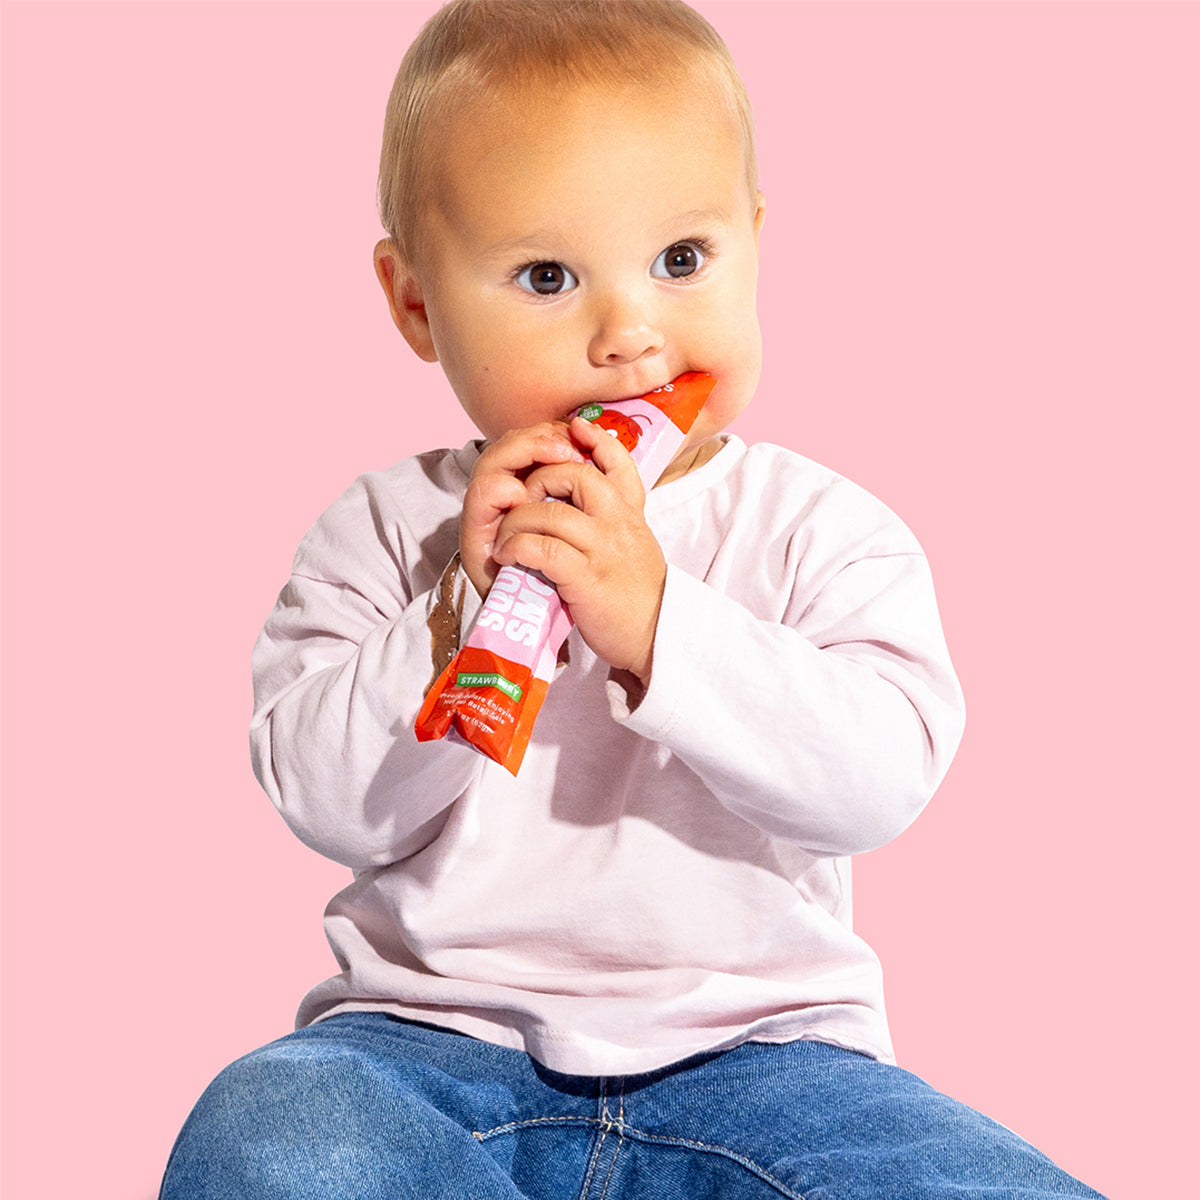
{"x": 629, "y": 970}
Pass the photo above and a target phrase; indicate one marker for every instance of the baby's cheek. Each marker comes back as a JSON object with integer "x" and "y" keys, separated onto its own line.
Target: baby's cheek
{"x": 498, "y": 407}
{"x": 737, "y": 375}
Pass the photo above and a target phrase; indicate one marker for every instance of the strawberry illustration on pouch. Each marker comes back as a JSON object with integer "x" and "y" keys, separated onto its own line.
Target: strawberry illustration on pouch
{"x": 624, "y": 427}
{"x": 490, "y": 693}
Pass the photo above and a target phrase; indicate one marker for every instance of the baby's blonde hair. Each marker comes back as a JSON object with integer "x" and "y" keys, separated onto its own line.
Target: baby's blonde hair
{"x": 472, "y": 48}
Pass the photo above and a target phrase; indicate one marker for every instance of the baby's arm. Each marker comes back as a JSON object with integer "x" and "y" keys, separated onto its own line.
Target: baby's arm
{"x": 806, "y": 680}
{"x": 835, "y": 743}
{"x": 342, "y": 664}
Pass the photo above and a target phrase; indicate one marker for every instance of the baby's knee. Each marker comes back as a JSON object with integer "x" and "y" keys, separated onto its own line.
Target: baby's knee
{"x": 295, "y": 1120}
{"x": 308, "y": 1088}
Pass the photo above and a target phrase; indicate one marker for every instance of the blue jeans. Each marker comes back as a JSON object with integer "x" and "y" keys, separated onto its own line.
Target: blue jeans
{"x": 364, "y": 1106}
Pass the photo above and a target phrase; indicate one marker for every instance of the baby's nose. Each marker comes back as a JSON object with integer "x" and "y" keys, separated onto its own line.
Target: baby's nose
{"x": 626, "y": 330}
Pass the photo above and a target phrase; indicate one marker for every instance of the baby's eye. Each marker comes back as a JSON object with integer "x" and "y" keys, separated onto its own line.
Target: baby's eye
{"x": 546, "y": 278}
{"x": 683, "y": 258}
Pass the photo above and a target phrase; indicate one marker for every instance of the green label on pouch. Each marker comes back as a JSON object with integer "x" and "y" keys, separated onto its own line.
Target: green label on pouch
{"x": 589, "y": 412}
{"x": 507, "y": 686}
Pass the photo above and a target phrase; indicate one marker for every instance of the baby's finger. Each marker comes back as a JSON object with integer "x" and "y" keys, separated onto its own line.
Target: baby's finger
{"x": 558, "y": 560}
{"x": 496, "y": 488}
{"x": 614, "y": 461}
{"x": 562, "y": 522}
{"x": 520, "y": 449}
{"x": 587, "y": 489}
{"x": 489, "y": 497}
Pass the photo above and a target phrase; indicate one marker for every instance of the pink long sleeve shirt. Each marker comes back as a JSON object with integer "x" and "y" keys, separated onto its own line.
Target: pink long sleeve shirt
{"x": 655, "y": 882}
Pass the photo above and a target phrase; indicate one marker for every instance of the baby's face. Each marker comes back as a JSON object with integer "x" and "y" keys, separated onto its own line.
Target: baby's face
{"x": 592, "y": 246}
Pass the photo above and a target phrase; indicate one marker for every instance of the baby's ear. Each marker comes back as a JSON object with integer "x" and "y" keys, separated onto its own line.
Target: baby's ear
{"x": 405, "y": 298}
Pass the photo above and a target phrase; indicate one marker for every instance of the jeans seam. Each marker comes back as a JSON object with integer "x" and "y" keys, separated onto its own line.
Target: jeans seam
{"x": 599, "y": 1146}
{"x": 748, "y": 1164}
{"x": 482, "y": 1135}
{"x": 587, "y": 1182}
{"x": 620, "y": 1128}
{"x": 612, "y": 1166}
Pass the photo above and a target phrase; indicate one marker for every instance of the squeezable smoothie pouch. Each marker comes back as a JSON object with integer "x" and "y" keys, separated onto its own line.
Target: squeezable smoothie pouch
{"x": 490, "y": 694}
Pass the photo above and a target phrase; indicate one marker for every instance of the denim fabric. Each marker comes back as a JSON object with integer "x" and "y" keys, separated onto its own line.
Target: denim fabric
{"x": 364, "y": 1106}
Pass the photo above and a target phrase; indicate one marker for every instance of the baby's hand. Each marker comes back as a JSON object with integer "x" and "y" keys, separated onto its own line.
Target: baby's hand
{"x": 597, "y": 550}
{"x": 498, "y": 486}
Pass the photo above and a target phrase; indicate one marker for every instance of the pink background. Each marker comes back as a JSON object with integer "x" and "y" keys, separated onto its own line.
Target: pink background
{"x": 979, "y": 292}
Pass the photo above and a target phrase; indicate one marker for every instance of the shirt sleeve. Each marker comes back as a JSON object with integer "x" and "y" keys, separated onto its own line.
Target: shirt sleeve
{"x": 830, "y": 729}
{"x": 340, "y": 669}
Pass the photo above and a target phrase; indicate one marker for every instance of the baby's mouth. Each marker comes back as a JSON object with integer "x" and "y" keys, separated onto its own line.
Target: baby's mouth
{"x": 637, "y": 395}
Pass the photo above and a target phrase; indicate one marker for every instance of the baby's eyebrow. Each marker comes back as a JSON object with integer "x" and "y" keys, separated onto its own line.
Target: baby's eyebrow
{"x": 700, "y": 216}
{"x": 694, "y": 217}
{"x": 544, "y": 242}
